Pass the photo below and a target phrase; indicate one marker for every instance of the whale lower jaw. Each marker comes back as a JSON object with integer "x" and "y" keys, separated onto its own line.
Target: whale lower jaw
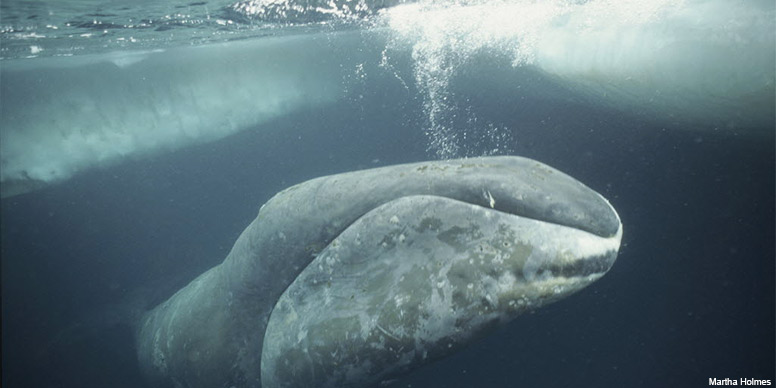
{"x": 415, "y": 280}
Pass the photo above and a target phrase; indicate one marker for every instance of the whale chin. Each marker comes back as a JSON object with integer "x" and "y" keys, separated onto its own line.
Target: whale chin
{"x": 352, "y": 279}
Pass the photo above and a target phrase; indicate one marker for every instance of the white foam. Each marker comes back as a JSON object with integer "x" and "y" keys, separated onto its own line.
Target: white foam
{"x": 710, "y": 61}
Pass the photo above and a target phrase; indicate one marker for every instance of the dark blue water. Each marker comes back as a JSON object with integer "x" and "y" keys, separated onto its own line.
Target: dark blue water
{"x": 690, "y": 297}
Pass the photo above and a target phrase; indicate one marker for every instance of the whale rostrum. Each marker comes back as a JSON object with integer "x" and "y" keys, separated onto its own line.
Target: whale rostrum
{"x": 355, "y": 278}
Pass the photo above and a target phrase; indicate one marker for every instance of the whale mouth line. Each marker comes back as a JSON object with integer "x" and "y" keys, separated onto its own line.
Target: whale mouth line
{"x": 591, "y": 264}
{"x": 495, "y": 208}
{"x": 594, "y": 261}
{"x": 581, "y": 267}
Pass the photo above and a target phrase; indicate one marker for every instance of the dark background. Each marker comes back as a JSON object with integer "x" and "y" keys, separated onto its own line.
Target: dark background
{"x": 691, "y": 296}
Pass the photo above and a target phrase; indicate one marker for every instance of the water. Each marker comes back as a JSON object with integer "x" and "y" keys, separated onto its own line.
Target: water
{"x": 145, "y": 135}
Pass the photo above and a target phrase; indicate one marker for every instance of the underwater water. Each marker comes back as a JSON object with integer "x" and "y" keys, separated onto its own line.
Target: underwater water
{"x": 139, "y": 138}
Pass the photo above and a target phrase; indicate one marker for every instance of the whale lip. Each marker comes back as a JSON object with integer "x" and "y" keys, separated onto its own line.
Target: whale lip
{"x": 592, "y": 264}
{"x": 530, "y": 189}
{"x": 596, "y": 254}
{"x": 597, "y": 250}
{"x": 613, "y": 228}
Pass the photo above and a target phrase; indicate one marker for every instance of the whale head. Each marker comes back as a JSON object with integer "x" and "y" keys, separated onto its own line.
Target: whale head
{"x": 356, "y": 278}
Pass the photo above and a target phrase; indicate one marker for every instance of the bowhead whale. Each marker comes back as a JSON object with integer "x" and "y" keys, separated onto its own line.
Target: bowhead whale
{"x": 355, "y": 278}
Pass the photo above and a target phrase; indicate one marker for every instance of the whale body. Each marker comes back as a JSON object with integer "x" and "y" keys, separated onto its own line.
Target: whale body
{"x": 356, "y": 278}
